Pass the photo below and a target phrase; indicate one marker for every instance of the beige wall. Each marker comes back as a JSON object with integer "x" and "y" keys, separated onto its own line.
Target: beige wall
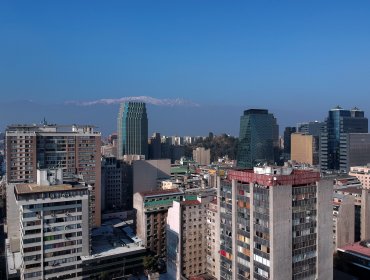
{"x": 302, "y": 148}
{"x": 345, "y": 222}
{"x": 146, "y": 173}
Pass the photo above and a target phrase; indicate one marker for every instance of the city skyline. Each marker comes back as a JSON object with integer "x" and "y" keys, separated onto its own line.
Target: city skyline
{"x": 200, "y": 118}
{"x": 214, "y": 140}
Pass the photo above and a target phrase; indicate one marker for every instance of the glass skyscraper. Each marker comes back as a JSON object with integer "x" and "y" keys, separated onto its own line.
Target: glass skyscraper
{"x": 258, "y": 138}
{"x": 132, "y": 129}
{"x": 338, "y": 123}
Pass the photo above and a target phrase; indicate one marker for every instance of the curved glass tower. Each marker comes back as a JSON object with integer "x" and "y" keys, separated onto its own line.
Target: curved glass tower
{"x": 132, "y": 129}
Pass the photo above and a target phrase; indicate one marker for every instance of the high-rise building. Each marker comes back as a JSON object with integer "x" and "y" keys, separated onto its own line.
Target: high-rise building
{"x": 152, "y": 208}
{"x": 354, "y": 150}
{"x": 74, "y": 149}
{"x": 187, "y": 239}
{"x": 304, "y": 148}
{"x": 132, "y": 128}
{"x": 154, "y": 146}
{"x": 258, "y": 138}
{"x": 287, "y": 141}
{"x": 276, "y": 223}
{"x": 213, "y": 239}
{"x": 338, "y": 123}
{"x": 117, "y": 185}
{"x": 202, "y": 156}
{"x": 52, "y": 228}
{"x": 312, "y": 128}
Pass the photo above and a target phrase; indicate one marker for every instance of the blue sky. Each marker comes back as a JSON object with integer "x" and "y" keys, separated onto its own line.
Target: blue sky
{"x": 273, "y": 54}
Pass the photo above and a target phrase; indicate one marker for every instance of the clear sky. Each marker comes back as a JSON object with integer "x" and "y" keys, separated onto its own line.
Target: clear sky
{"x": 251, "y": 53}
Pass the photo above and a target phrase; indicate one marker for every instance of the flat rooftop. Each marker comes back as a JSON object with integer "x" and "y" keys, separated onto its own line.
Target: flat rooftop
{"x": 190, "y": 202}
{"x": 358, "y": 248}
{"x": 35, "y": 188}
{"x": 114, "y": 237}
{"x": 161, "y": 192}
{"x": 349, "y": 190}
{"x": 272, "y": 176}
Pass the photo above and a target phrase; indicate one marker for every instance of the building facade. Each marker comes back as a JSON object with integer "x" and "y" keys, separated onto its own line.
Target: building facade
{"x": 154, "y": 146}
{"x": 288, "y": 131}
{"x": 213, "y": 239}
{"x": 343, "y": 221}
{"x": 151, "y": 217}
{"x": 117, "y": 185}
{"x": 258, "y": 138}
{"x": 362, "y": 173}
{"x": 313, "y": 128}
{"x": 202, "y": 156}
{"x": 132, "y": 128}
{"x": 54, "y": 230}
{"x": 186, "y": 224}
{"x": 354, "y": 150}
{"x": 338, "y": 123}
{"x": 275, "y": 223}
{"x": 74, "y": 149}
{"x": 304, "y": 149}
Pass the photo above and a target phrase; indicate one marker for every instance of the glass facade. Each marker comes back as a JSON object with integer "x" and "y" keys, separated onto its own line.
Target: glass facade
{"x": 258, "y": 138}
{"x": 132, "y": 129}
{"x": 338, "y": 123}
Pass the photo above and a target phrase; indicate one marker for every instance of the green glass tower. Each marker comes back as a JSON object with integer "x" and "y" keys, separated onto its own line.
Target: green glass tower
{"x": 132, "y": 129}
{"x": 258, "y": 138}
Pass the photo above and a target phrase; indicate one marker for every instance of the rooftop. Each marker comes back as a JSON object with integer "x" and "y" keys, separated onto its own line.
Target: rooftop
{"x": 349, "y": 190}
{"x": 161, "y": 192}
{"x": 35, "y": 188}
{"x": 114, "y": 237}
{"x": 50, "y": 128}
{"x": 360, "y": 248}
{"x": 272, "y": 176}
{"x": 190, "y": 202}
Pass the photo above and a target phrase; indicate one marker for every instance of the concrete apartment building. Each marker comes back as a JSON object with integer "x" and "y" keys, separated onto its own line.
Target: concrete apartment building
{"x": 75, "y": 149}
{"x": 53, "y": 231}
{"x": 151, "y": 216}
{"x": 275, "y": 223}
{"x": 362, "y": 173}
{"x": 213, "y": 239}
{"x": 186, "y": 239}
{"x": 202, "y": 156}
{"x": 304, "y": 148}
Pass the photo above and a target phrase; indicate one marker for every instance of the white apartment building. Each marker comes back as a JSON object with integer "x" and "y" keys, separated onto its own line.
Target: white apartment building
{"x": 54, "y": 230}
